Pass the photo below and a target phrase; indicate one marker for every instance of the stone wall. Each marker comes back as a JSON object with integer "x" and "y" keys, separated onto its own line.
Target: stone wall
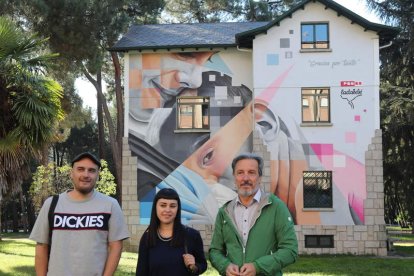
{"x": 130, "y": 204}
{"x": 368, "y": 239}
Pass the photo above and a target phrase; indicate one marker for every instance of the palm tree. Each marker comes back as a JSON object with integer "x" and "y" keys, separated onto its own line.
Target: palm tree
{"x": 29, "y": 104}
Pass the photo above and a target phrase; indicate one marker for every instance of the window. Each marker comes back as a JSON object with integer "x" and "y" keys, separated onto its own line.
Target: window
{"x": 319, "y": 241}
{"x": 315, "y": 36}
{"x": 315, "y": 105}
{"x": 317, "y": 189}
{"x": 193, "y": 113}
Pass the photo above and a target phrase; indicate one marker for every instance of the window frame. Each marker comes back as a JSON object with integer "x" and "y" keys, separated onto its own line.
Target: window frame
{"x": 183, "y": 101}
{"x": 318, "y": 244}
{"x": 311, "y": 100}
{"x": 306, "y": 201}
{"x": 315, "y": 42}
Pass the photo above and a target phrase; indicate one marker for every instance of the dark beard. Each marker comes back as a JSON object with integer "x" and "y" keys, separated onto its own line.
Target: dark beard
{"x": 85, "y": 191}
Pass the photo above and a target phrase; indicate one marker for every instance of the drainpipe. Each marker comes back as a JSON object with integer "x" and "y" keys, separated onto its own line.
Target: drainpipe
{"x": 243, "y": 49}
{"x": 386, "y": 46}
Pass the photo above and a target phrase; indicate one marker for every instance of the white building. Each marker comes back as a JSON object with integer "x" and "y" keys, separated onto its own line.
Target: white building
{"x": 302, "y": 91}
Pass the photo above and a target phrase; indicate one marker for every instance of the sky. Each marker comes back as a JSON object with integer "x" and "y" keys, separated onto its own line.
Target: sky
{"x": 88, "y": 93}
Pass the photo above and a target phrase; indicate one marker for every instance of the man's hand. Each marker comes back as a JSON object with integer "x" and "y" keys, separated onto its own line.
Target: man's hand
{"x": 232, "y": 270}
{"x": 112, "y": 260}
{"x": 41, "y": 258}
{"x": 248, "y": 270}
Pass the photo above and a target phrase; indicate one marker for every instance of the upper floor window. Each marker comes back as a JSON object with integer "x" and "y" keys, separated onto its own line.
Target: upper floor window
{"x": 315, "y": 35}
{"x": 315, "y": 105}
{"x": 317, "y": 189}
{"x": 193, "y": 113}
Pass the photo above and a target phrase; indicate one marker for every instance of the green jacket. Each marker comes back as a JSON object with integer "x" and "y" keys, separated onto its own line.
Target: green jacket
{"x": 271, "y": 244}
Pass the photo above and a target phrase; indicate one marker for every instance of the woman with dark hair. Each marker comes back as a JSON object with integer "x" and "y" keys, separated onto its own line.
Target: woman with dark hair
{"x": 168, "y": 247}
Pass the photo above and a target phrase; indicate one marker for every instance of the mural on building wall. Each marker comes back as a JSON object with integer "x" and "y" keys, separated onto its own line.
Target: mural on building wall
{"x": 197, "y": 164}
{"x": 155, "y": 82}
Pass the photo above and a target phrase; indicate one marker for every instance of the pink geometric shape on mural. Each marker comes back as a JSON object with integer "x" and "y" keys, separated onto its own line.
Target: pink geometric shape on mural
{"x": 339, "y": 161}
{"x": 316, "y": 149}
{"x": 327, "y": 149}
{"x": 357, "y": 118}
{"x": 270, "y": 92}
{"x": 327, "y": 161}
{"x": 322, "y": 149}
{"x": 350, "y": 137}
{"x": 352, "y": 185}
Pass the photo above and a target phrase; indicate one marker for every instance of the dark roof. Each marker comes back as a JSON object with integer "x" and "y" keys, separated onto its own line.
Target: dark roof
{"x": 230, "y": 34}
{"x": 197, "y": 35}
{"x": 386, "y": 33}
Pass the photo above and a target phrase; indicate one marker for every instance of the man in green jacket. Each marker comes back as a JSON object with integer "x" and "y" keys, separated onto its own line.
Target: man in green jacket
{"x": 254, "y": 233}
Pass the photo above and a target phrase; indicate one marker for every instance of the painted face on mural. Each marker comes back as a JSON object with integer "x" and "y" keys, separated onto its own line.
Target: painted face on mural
{"x": 178, "y": 71}
{"x": 212, "y": 158}
{"x": 166, "y": 210}
{"x": 247, "y": 179}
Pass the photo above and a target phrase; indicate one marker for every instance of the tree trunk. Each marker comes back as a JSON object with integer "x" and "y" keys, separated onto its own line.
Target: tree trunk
{"x": 23, "y": 216}
{"x": 1, "y": 228}
{"x": 44, "y": 159}
{"x": 116, "y": 153}
{"x": 113, "y": 141}
{"x": 120, "y": 124}
{"x": 101, "y": 131}
{"x": 15, "y": 216}
{"x": 31, "y": 217}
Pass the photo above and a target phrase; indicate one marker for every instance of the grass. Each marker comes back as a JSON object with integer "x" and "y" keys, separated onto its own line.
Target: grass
{"x": 350, "y": 265}
{"x": 17, "y": 259}
{"x": 397, "y": 228}
{"x": 16, "y": 255}
{"x": 401, "y": 236}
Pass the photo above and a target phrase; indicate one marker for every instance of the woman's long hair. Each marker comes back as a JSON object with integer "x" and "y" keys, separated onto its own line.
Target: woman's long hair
{"x": 178, "y": 228}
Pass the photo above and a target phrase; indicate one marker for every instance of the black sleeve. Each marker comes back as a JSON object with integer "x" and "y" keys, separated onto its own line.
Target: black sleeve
{"x": 143, "y": 261}
{"x": 198, "y": 252}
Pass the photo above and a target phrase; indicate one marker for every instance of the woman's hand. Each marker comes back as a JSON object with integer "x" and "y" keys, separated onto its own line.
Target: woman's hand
{"x": 189, "y": 262}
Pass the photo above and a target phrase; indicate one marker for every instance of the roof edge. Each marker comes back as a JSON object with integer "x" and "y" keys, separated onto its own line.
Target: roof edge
{"x": 168, "y": 47}
{"x": 341, "y": 10}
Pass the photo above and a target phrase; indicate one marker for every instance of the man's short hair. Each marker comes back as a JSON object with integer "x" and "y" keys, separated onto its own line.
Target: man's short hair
{"x": 88, "y": 155}
{"x": 252, "y": 156}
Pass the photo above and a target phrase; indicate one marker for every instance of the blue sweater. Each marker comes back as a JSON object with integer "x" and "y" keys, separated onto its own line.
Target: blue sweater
{"x": 164, "y": 259}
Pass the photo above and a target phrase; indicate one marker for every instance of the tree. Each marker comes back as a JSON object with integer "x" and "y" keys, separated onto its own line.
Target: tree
{"x": 82, "y": 31}
{"x": 190, "y": 11}
{"x": 80, "y": 135}
{"x": 397, "y": 110}
{"x": 29, "y": 104}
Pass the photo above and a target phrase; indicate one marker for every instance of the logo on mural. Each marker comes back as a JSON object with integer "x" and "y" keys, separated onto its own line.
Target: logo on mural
{"x": 350, "y": 94}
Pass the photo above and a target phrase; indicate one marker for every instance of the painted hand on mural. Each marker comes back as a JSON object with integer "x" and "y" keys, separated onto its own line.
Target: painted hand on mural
{"x": 155, "y": 82}
{"x": 164, "y": 77}
{"x": 291, "y": 157}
